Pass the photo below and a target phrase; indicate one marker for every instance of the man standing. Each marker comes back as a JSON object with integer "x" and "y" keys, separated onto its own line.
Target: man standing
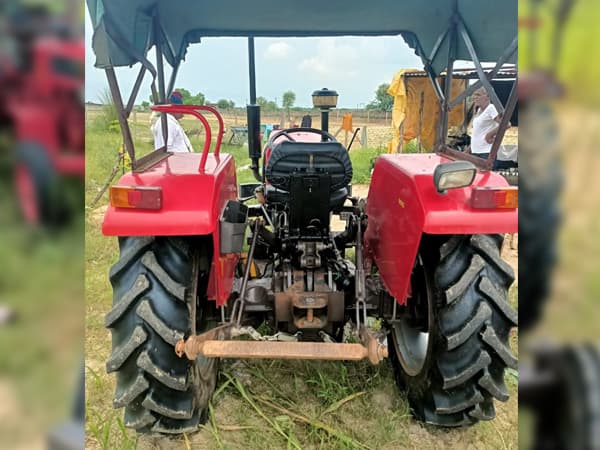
{"x": 485, "y": 124}
{"x": 177, "y": 140}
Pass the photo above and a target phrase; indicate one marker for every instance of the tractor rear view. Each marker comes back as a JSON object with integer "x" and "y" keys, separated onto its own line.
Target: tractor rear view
{"x": 421, "y": 254}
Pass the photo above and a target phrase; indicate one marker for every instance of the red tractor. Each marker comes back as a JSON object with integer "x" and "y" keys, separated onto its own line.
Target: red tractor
{"x": 41, "y": 102}
{"x": 421, "y": 253}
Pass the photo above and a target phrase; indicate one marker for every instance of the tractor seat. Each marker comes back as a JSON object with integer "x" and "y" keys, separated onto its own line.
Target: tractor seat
{"x": 311, "y": 158}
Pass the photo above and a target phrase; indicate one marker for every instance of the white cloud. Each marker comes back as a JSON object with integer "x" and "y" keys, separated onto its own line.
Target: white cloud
{"x": 315, "y": 66}
{"x": 278, "y": 50}
{"x": 333, "y": 60}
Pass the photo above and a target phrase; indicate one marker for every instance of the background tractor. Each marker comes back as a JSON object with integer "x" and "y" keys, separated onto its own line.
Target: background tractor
{"x": 416, "y": 271}
{"x": 41, "y": 109}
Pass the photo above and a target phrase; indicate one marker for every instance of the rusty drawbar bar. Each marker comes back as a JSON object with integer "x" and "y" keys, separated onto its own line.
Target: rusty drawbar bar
{"x": 213, "y": 345}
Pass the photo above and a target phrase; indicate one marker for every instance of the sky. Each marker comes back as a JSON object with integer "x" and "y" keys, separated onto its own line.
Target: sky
{"x": 218, "y": 67}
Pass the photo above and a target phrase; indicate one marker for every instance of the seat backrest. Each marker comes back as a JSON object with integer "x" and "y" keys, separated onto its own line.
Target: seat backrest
{"x": 289, "y": 157}
{"x": 309, "y": 205}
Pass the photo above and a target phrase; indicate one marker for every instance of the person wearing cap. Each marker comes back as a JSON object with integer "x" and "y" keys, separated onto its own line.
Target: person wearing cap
{"x": 177, "y": 140}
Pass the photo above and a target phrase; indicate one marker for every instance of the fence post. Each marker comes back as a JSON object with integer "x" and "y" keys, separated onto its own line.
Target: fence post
{"x": 364, "y": 137}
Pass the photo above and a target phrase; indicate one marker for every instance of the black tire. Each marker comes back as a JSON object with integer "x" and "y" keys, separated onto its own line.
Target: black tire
{"x": 152, "y": 309}
{"x": 32, "y": 158}
{"x": 540, "y": 184}
{"x": 460, "y": 287}
{"x": 566, "y": 410}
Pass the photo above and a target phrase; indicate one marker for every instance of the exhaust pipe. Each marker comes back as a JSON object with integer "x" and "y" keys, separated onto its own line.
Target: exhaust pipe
{"x": 254, "y": 141}
{"x": 253, "y": 115}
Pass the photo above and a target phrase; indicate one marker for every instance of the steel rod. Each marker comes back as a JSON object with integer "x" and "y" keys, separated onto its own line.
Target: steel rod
{"x": 283, "y": 350}
{"x": 161, "y": 79}
{"x": 472, "y": 88}
{"x": 436, "y": 86}
{"x": 478, "y": 67}
{"x": 135, "y": 91}
{"x": 173, "y": 78}
{"x": 444, "y": 108}
{"x": 242, "y": 299}
{"x": 510, "y": 107}
{"x": 118, "y": 102}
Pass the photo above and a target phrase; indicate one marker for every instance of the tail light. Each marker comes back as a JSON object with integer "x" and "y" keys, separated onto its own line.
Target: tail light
{"x": 139, "y": 197}
{"x": 506, "y": 197}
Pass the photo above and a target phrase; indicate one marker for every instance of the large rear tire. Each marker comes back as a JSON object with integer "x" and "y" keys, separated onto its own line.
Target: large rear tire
{"x": 540, "y": 185}
{"x": 153, "y": 307}
{"x": 451, "y": 351}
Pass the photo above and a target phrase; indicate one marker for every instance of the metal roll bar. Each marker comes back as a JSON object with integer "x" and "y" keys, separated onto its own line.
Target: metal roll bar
{"x": 193, "y": 111}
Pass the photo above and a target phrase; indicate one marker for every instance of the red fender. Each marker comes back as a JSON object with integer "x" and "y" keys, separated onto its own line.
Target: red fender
{"x": 403, "y": 203}
{"x": 192, "y": 203}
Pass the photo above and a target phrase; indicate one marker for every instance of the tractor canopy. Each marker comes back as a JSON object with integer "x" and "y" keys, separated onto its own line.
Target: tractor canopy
{"x": 124, "y": 31}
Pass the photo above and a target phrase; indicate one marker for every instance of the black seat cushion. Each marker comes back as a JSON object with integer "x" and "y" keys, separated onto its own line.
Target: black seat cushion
{"x": 336, "y": 198}
{"x": 288, "y": 157}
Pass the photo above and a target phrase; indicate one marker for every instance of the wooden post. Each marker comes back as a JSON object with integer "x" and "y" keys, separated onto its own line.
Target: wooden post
{"x": 401, "y": 143}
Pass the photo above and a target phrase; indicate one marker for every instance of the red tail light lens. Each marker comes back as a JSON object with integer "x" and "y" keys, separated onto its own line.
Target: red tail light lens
{"x": 138, "y": 197}
{"x": 506, "y": 197}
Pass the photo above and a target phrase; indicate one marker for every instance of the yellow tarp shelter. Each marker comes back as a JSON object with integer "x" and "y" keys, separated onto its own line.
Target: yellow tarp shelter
{"x": 411, "y": 93}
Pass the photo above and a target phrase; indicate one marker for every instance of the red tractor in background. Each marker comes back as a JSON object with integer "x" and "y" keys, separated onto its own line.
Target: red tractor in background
{"x": 41, "y": 107}
{"x": 421, "y": 254}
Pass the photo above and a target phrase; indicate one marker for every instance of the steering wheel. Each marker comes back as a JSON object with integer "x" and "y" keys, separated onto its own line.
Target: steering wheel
{"x": 287, "y": 131}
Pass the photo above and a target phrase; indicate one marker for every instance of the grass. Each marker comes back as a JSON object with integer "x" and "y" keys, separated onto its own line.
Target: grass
{"x": 264, "y": 403}
{"x": 42, "y": 281}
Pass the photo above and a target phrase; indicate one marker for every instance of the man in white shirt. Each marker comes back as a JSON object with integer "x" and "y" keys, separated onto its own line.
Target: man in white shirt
{"x": 485, "y": 124}
{"x": 177, "y": 140}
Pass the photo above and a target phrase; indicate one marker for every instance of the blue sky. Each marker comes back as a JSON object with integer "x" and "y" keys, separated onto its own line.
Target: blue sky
{"x": 218, "y": 67}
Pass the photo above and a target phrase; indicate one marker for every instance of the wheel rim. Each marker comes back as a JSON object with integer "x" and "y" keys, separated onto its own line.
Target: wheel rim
{"x": 411, "y": 338}
{"x": 26, "y": 193}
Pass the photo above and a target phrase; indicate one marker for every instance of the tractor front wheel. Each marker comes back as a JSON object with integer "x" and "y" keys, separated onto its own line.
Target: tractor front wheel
{"x": 159, "y": 286}
{"x": 450, "y": 349}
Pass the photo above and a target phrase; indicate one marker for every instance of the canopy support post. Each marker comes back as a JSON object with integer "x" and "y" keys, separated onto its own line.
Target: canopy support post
{"x": 436, "y": 85}
{"x": 472, "y": 88}
{"x": 121, "y": 113}
{"x": 173, "y": 77}
{"x": 482, "y": 75}
{"x": 444, "y": 105}
{"x": 511, "y": 103}
{"x": 135, "y": 91}
{"x": 161, "y": 78}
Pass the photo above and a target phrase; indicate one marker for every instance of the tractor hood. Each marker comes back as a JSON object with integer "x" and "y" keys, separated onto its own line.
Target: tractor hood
{"x": 124, "y": 31}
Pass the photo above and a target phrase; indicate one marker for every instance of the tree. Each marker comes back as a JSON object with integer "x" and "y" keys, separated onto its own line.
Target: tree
{"x": 145, "y": 106}
{"x": 198, "y": 99}
{"x": 288, "y": 100}
{"x": 383, "y": 101}
{"x": 225, "y": 104}
{"x": 188, "y": 98}
{"x": 266, "y": 105}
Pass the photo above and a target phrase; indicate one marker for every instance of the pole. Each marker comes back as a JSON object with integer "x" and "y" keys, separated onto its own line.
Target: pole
{"x": 161, "y": 79}
{"x": 324, "y": 122}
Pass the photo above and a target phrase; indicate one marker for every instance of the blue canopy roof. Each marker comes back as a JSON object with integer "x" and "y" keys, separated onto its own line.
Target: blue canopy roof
{"x": 124, "y": 30}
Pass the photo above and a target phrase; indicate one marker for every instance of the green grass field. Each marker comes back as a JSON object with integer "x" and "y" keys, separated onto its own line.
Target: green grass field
{"x": 264, "y": 404}
{"x": 40, "y": 352}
